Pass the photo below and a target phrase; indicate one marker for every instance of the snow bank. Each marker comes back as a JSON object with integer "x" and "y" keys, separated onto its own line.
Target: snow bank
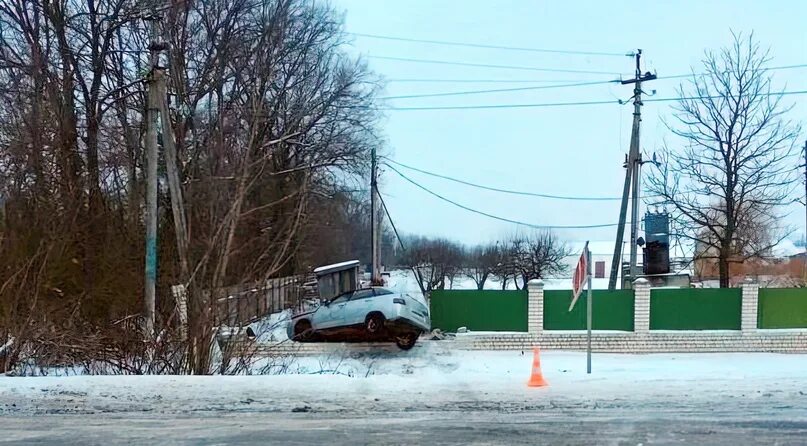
{"x": 429, "y": 376}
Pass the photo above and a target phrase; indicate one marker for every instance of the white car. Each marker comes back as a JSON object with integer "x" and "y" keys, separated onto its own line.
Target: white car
{"x": 369, "y": 314}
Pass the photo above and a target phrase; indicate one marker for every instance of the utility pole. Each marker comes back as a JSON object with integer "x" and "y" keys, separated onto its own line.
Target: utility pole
{"x": 632, "y": 165}
{"x": 805, "y": 210}
{"x": 152, "y": 109}
{"x": 375, "y": 275}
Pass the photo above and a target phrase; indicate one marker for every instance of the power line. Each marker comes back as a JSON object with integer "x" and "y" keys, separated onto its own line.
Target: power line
{"x": 494, "y": 47}
{"x": 782, "y": 67}
{"x": 527, "y": 81}
{"x": 481, "y": 81}
{"x": 504, "y": 90}
{"x": 498, "y": 90}
{"x": 569, "y": 104}
{"x": 481, "y": 65}
{"x": 493, "y": 106}
{"x": 389, "y": 217}
{"x": 495, "y": 217}
{"x": 506, "y": 191}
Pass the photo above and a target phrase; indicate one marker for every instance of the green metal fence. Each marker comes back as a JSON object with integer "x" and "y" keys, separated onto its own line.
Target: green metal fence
{"x": 782, "y": 308}
{"x": 611, "y": 310}
{"x": 695, "y": 309}
{"x": 485, "y": 310}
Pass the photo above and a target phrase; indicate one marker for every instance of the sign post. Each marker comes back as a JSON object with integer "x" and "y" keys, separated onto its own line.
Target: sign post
{"x": 582, "y": 273}
{"x": 588, "y": 311}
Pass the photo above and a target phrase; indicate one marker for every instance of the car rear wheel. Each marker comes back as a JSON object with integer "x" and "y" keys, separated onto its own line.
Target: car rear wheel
{"x": 302, "y": 330}
{"x": 405, "y": 341}
{"x": 374, "y": 323}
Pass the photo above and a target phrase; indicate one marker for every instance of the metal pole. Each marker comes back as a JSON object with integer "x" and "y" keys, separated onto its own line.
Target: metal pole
{"x": 589, "y": 305}
{"x": 151, "y": 188}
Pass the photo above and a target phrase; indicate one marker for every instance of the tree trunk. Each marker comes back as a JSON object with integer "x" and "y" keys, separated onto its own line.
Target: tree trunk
{"x": 723, "y": 265}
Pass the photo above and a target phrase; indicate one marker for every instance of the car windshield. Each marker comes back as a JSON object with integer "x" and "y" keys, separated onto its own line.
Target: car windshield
{"x": 361, "y": 294}
{"x": 382, "y": 291}
{"x": 341, "y": 298}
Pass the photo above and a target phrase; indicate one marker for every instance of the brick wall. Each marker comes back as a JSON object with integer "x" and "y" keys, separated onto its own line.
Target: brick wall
{"x": 750, "y": 306}
{"x": 775, "y": 341}
{"x": 651, "y": 342}
{"x": 535, "y": 306}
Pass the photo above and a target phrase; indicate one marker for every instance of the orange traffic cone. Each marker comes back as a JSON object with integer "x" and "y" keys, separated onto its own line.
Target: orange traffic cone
{"x": 536, "y": 377}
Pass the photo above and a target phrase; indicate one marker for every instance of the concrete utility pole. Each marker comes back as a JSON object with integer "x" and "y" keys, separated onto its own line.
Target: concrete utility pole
{"x": 152, "y": 110}
{"x": 157, "y": 113}
{"x": 632, "y": 166}
{"x": 375, "y": 276}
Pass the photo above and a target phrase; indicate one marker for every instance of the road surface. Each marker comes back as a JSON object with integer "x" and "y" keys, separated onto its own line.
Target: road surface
{"x": 433, "y": 397}
{"x": 609, "y": 426}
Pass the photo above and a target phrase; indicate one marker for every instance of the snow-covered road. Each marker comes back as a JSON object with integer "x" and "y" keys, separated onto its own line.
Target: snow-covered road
{"x": 432, "y": 389}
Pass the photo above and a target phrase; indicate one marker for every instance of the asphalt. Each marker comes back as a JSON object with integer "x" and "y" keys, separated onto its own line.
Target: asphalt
{"x": 560, "y": 426}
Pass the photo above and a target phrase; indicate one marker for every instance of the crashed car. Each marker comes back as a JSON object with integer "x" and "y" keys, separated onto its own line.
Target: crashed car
{"x": 370, "y": 314}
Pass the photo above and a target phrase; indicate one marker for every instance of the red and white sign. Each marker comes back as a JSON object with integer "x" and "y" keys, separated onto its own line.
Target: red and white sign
{"x": 580, "y": 276}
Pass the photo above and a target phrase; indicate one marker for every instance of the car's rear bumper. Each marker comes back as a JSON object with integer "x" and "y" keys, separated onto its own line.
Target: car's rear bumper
{"x": 405, "y": 318}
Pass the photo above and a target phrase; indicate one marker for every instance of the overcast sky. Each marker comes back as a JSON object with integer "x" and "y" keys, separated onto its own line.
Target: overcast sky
{"x": 574, "y": 151}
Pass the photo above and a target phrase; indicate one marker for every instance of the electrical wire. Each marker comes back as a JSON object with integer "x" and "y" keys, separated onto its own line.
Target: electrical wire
{"x": 498, "y": 90}
{"x": 494, "y": 106}
{"x": 574, "y": 84}
{"x": 568, "y": 104}
{"x": 783, "y": 67}
{"x": 482, "y": 81}
{"x": 506, "y": 191}
{"x": 389, "y": 217}
{"x": 493, "y": 47}
{"x": 495, "y": 217}
{"x": 481, "y": 65}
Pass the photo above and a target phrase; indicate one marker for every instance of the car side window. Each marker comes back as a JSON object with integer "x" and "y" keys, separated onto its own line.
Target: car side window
{"x": 362, "y": 294}
{"x": 341, "y": 298}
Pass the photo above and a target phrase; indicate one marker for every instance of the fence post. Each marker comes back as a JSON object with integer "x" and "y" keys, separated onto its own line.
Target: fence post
{"x": 535, "y": 306}
{"x": 641, "y": 306}
{"x": 748, "y": 318}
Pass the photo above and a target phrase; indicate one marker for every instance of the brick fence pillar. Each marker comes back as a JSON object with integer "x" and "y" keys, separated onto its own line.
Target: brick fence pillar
{"x": 535, "y": 306}
{"x": 748, "y": 320}
{"x": 641, "y": 306}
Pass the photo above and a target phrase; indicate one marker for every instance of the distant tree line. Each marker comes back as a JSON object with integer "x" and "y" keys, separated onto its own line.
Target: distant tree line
{"x": 516, "y": 259}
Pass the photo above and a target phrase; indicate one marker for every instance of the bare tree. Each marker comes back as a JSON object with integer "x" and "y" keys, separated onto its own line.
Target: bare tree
{"x": 480, "y": 263}
{"x": 539, "y": 255}
{"x": 269, "y": 115}
{"x": 433, "y": 261}
{"x": 734, "y": 167}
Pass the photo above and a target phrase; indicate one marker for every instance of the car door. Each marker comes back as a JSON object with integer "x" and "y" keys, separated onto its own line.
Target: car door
{"x": 358, "y": 307}
{"x": 332, "y": 314}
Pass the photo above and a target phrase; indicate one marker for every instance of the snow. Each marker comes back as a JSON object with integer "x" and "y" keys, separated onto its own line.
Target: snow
{"x": 272, "y": 328}
{"x": 336, "y": 266}
{"x": 403, "y": 281}
{"x": 432, "y": 374}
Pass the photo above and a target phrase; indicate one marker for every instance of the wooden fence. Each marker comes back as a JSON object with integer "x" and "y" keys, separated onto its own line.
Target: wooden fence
{"x": 243, "y": 304}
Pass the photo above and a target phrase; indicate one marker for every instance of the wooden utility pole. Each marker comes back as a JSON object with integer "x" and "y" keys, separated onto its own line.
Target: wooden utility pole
{"x": 375, "y": 271}
{"x": 152, "y": 109}
{"x": 632, "y": 166}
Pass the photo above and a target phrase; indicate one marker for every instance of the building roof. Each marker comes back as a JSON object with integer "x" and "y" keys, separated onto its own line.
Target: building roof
{"x": 342, "y": 266}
